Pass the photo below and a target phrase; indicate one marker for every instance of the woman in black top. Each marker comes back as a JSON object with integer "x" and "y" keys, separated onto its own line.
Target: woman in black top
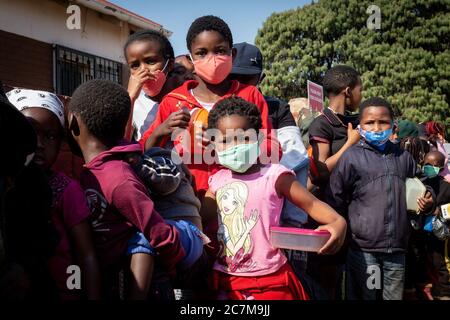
{"x": 333, "y": 131}
{"x": 330, "y": 135}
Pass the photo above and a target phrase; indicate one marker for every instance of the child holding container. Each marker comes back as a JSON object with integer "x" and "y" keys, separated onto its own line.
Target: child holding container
{"x": 368, "y": 186}
{"x": 249, "y": 197}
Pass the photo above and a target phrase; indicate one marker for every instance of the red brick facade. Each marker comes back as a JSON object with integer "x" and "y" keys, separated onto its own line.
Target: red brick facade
{"x": 25, "y": 62}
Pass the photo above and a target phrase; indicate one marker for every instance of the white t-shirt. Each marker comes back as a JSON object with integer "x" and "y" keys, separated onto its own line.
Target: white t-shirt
{"x": 207, "y": 105}
{"x": 144, "y": 113}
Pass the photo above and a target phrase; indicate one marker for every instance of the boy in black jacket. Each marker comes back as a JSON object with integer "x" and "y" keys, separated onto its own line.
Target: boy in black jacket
{"x": 368, "y": 185}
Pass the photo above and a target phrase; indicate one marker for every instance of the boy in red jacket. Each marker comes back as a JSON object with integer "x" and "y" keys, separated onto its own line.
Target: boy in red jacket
{"x": 210, "y": 43}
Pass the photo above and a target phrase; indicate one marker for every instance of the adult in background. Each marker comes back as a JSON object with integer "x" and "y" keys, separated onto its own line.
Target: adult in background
{"x": 330, "y": 135}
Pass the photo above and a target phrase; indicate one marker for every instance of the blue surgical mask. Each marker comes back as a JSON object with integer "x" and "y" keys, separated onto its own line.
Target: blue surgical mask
{"x": 377, "y": 140}
{"x": 239, "y": 158}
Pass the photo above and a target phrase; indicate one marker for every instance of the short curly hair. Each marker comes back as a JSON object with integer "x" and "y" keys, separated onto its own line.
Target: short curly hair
{"x": 104, "y": 107}
{"x": 417, "y": 147}
{"x": 338, "y": 78}
{"x": 376, "y": 102}
{"x": 235, "y": 106}
{"x": 208, "y": 23}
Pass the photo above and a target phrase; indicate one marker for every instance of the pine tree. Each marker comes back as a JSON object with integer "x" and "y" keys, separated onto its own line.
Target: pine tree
{"x": 406, "y": 61}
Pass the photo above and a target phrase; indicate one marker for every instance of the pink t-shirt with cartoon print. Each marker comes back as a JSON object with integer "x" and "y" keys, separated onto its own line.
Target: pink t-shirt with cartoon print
{"x": 248, "y": 206}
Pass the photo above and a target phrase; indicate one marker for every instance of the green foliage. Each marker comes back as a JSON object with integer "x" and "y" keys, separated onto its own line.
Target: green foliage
{"x": 407, "y": 61}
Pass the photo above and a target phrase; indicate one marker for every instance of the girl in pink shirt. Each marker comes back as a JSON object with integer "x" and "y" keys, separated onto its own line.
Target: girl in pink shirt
{"x": 249, "y": 195}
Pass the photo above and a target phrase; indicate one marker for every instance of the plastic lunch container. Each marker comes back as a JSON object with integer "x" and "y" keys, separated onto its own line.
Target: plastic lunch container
{"x": 414, "y": 190}
{"x": 298, "y": 239}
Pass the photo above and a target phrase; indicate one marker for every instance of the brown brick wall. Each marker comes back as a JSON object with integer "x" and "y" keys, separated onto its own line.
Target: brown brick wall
{"x": 25, "y": 62}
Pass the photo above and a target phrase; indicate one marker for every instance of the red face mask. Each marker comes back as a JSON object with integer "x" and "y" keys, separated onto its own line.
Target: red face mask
{"x": 213, "y": 68}
{"x": 153, "y": 87}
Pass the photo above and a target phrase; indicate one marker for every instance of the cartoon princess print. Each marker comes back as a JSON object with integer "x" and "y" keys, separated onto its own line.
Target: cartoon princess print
{"x": 234, "y": 227}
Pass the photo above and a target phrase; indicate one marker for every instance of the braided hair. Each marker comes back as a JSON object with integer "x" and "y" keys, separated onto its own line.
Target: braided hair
{"x": 417, "y": 147}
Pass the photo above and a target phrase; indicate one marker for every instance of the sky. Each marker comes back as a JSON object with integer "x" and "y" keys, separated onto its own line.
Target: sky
{"x": 244, "y": 17}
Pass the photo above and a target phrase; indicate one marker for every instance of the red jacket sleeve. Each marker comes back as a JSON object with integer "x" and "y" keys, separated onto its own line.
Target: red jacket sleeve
{"x": 261, "y": 103}
{"x": 270, "y": 144}
{"x": 139, "y": 210}
{"x": 163, "y": 113}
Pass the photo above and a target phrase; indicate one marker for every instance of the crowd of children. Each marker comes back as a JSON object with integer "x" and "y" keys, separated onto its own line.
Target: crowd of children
{"x": 188, "y": 169}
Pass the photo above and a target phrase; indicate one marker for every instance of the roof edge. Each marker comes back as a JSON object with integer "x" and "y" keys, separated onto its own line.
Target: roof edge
{"x": 123, "y": 14}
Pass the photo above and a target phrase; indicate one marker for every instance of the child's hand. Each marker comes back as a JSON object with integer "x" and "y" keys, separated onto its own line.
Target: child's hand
{"x": 337, "y": 229}
{"x": 201, "y": 142}
{"x": 352, "y": 135}
{"x": 136, "y": 81}
{"x": 252, "y": 220}
{"x": 177, "y": 119}
{"x": 425, "y": 202}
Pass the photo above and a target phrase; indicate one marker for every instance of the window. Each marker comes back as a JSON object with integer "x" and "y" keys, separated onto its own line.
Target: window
{"x": 73, "y": 68}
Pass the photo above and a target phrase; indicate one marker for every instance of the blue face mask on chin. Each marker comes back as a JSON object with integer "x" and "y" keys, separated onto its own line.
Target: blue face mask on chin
{"x": 377, "y": 140}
